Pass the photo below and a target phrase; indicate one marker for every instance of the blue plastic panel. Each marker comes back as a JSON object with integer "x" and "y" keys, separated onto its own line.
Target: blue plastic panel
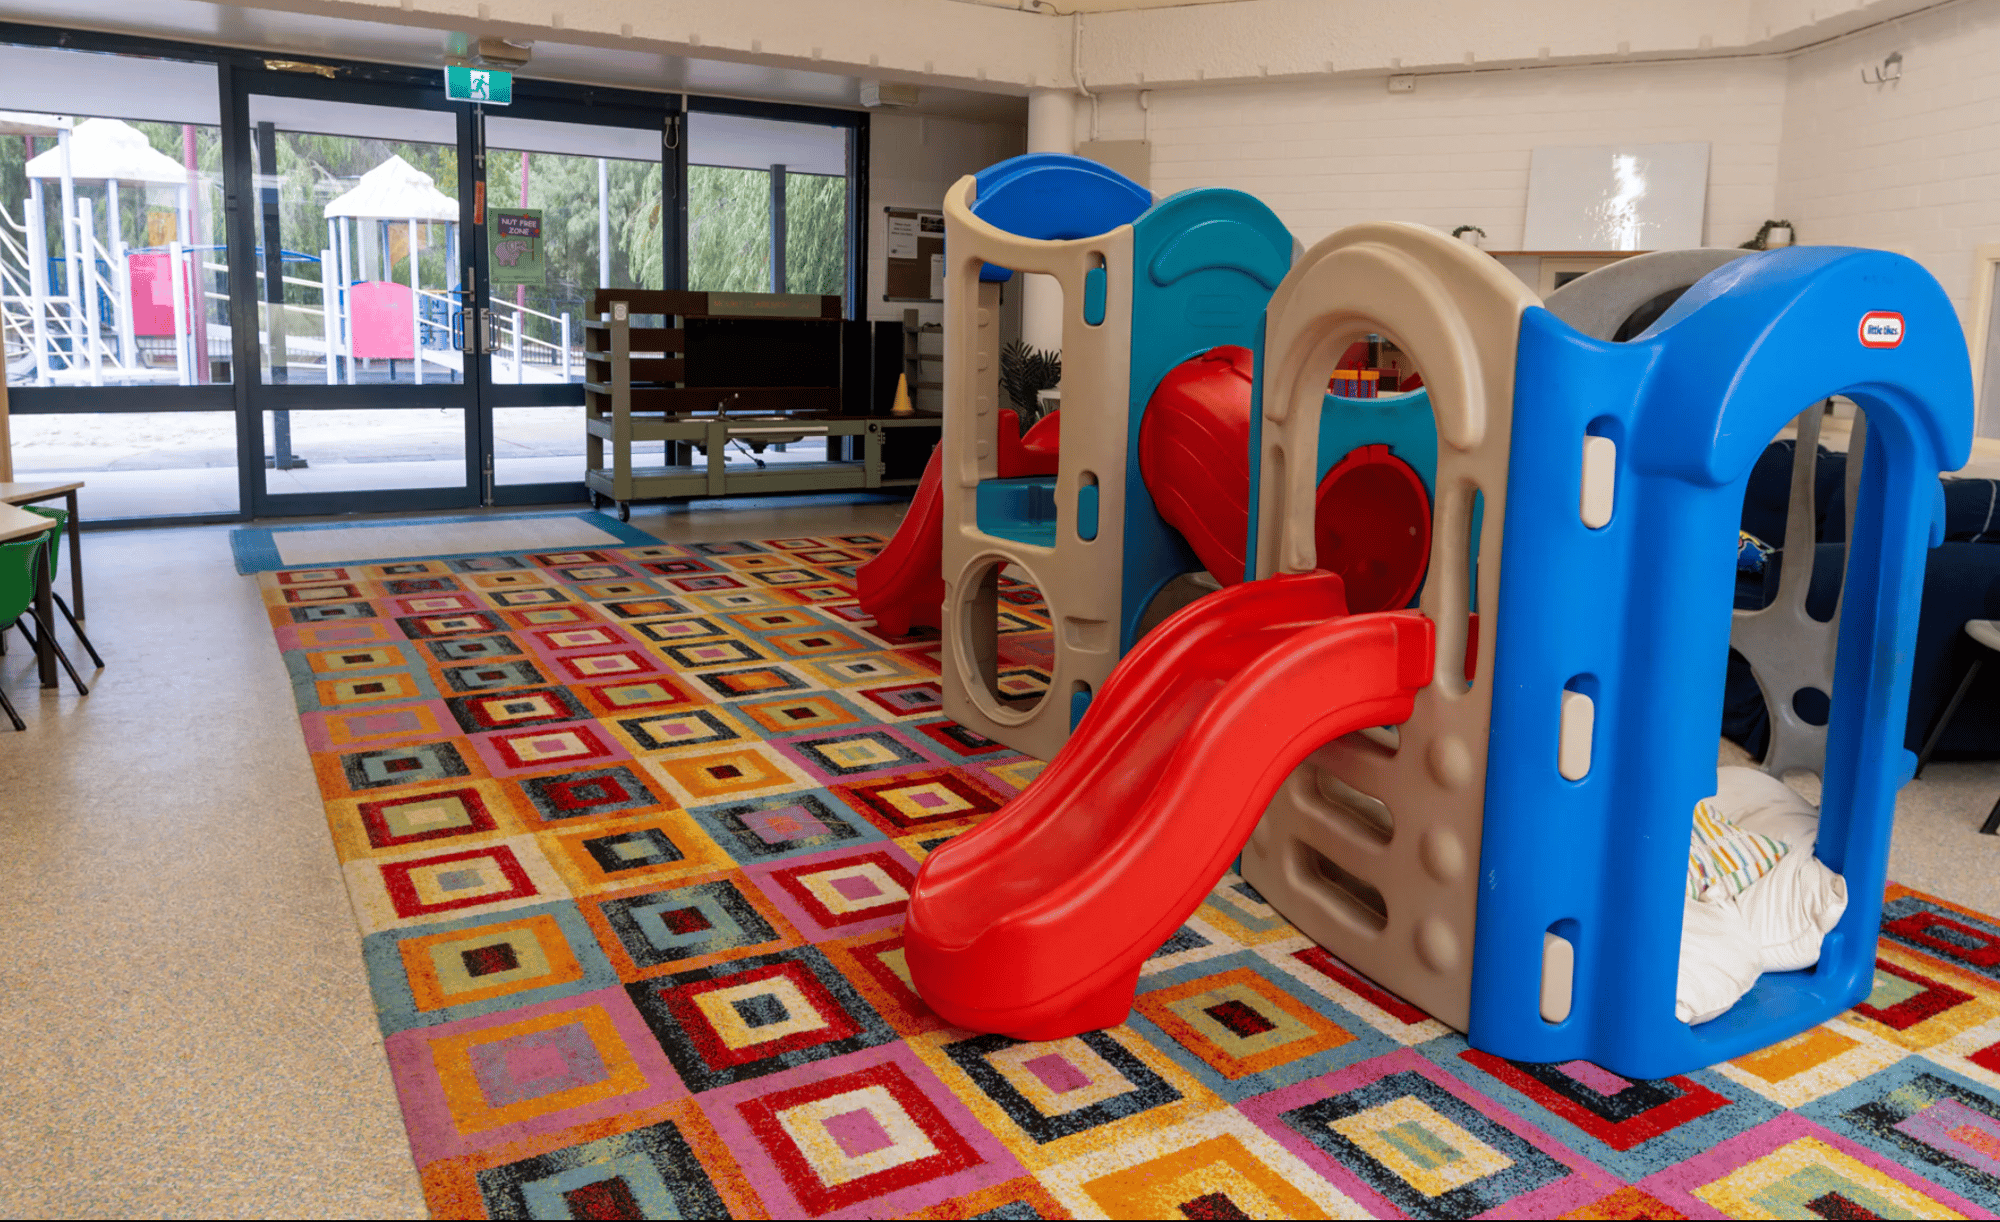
{"x": 1023, "y": 510}
{"x": 1054, "y": 197}
{"x": 1642, "y": 606}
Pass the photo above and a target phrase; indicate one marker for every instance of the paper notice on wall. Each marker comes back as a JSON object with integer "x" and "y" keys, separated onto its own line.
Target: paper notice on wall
{"x": 937, "y": 276}
{"x": 915, "y": 238}
{"x": 902, "y": 236}
{"x": 514, "y": 247}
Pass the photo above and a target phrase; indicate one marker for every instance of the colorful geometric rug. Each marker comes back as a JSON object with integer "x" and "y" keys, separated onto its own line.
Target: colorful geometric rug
{"x": 630, "y": 831}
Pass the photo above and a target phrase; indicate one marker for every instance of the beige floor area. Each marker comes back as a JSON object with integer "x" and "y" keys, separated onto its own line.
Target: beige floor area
{"x": 187, "y": 1027}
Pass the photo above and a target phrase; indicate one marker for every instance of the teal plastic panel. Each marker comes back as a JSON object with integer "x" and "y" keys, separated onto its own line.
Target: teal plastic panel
{"x": 1023, "y": 510}
{"x": 1079, "y": 704}
{"x": 1205, "y": 264}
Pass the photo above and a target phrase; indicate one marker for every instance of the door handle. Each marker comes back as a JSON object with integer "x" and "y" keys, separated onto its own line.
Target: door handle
{"x": 473, "y": 326}
{"x": 458, "y": 329}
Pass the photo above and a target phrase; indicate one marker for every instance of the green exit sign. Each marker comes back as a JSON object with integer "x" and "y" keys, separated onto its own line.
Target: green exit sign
{"x": 481, "y": 85}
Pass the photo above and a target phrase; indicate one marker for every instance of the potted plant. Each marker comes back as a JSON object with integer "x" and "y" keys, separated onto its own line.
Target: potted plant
{"x": 1471, "y": 235}
{"x": 1024, "y": 373}
{"x": 1771, "y": 235}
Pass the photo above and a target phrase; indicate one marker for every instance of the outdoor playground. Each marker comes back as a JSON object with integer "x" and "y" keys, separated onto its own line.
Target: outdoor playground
{"x": 114, "y": 271}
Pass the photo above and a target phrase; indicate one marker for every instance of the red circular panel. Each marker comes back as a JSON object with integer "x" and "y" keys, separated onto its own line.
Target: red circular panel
{"x": 1372, "y": 525}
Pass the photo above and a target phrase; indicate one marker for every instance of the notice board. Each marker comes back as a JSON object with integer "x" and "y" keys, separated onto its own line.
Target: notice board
{"x": 915, "y": 255}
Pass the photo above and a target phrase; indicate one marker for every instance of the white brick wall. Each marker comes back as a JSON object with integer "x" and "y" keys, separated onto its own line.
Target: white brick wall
{"x": 1455, "y": 151}
{"x": 1912, "y": 167}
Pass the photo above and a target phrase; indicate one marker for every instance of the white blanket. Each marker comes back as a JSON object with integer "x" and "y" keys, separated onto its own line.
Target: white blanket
{"x": 1775, "y": 925}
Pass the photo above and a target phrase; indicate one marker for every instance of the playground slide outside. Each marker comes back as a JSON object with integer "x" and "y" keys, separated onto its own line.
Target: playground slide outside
{"x": 903, "y": 586}
{"x": 1035, "y": 923}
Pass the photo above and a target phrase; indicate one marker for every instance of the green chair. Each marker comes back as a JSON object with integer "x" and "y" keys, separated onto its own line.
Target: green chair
{"x": 17, "y": 594}
{"x": 29, "y": 554}
{"x": 55, "y": 537}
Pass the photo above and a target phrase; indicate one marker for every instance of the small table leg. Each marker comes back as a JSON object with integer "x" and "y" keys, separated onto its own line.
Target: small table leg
{"x": 45, "y": 611}
{"x": 75, "y": 558}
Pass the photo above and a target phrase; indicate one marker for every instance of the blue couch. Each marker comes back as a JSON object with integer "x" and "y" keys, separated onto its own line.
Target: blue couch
{"x": 1961, "y": 582}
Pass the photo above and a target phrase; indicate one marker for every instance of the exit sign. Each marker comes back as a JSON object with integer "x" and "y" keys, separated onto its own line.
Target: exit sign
{"x": 482, "y": 85}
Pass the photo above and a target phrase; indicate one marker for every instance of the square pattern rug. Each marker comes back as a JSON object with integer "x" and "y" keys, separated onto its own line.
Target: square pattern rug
{"x": 630, "y": 830}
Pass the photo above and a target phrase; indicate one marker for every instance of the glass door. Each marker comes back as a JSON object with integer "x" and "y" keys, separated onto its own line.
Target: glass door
{"x": 577, "y": 199}
{"x": 362, "y": 390}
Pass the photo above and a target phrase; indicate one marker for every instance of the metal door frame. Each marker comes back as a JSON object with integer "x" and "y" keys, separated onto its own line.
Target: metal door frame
{"x": 254, "y": 396}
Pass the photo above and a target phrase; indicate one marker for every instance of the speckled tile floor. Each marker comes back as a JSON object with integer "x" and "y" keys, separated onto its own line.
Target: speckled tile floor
{"x": 188, "y": 1029}
{"x": 1937, "y": 846}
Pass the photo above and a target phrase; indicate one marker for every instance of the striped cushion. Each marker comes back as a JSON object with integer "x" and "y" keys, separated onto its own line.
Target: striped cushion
{"x": 1723, "y": 855}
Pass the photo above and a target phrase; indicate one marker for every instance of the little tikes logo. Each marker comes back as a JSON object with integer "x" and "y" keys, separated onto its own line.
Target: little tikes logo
{"x": 1881, "y": 329}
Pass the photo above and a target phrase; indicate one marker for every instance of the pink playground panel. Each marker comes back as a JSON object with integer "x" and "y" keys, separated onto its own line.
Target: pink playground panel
{"x": 153, "y": 293}
{"x": 383, "y": 316}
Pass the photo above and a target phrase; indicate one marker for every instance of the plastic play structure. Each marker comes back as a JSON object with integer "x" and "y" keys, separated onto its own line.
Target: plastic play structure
{"x": 96, "y": 310}
{"x": 1476, "y": 792}
{"x": 376, "y": 318}
{"x": 904, "y": 585}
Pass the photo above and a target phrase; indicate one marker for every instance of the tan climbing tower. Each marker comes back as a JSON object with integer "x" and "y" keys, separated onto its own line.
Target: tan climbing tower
{"x": 1394, "y": 813}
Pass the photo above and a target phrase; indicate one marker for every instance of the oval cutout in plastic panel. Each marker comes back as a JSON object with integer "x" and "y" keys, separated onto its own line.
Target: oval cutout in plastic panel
{"x": 1079, "y": 702}
{"x": 1600, "y": 481}
{"x": 1354, "y": 897}
{"x": 1579, "y": 720}
{"x": 1558, "y": 974}
{"x": 1093, "y": 296}
{"x": 1367, "y": 814}
{"x": 1086, "y": 507}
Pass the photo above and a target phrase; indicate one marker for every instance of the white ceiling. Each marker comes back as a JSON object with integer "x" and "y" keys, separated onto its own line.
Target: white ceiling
{"x": 338, "y": 37}
{"x": 975, "y": 59}
{"x": 1095, "y": 6}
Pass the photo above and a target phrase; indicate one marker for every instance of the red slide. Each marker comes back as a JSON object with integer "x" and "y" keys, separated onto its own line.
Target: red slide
{"x": 1035, "y": 923}
{"x": 904, "y": 584}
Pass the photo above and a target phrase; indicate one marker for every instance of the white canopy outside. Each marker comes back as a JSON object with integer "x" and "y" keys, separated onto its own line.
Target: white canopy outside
{"x": 23, "y": 123}
{"x": 395, "y": 191}
{"x": 101, "y": 150}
